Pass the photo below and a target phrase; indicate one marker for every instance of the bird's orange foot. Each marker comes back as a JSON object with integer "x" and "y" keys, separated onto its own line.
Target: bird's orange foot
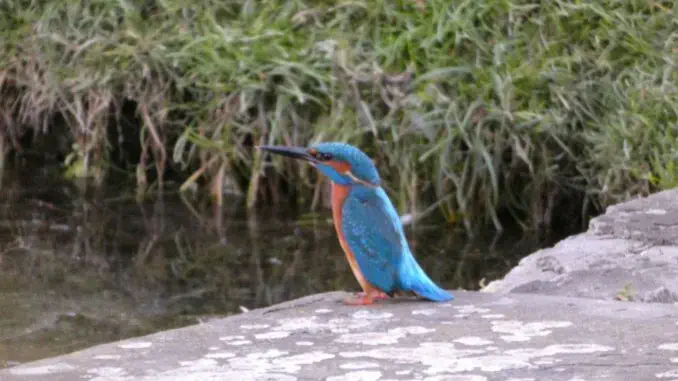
{"x": 364, "y": 298}
{"x": 359, "y": 300}
{"x": 376, "y": 295}
{"x": 380, "y": 296}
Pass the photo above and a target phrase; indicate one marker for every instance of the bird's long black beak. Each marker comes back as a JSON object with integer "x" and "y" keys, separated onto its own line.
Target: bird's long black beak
{"x": 293, "y": 152}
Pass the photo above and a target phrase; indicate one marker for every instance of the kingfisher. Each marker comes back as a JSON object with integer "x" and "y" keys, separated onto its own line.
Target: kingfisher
{"x": 367, "y": 224}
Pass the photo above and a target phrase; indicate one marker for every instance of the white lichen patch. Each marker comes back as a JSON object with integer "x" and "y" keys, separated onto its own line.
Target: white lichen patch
{"x": 425, "y": 312}
{"x": 519, "y": 331}
{"x": 136, "y": 345}
{"x": 411, "y": 330}
{"x": 504, "y": 301}
{"x": 107, "y": 357}
{"x": 346, "y": 325}
{"x": 559, "y": 349}
{"x": 468, "y": 309}
{"x": 669, "y": 374}
{"x": 199, "y": 364}
{"x": 362, "y": 375}
{"x": 107, "y": 371}
{"x": 492, "y": 316}
{"x": 403, "y": 372}
{"x": 545, "y": 361}
{"x": 323, "y": 311}
{"x": 297, "y": 324}
{"x": 272, "y": 377}
{"x": 445, "y": 358}
{"x": 235, "y": 340}
{"x": 259, "y": 361}
{"x": 273, "y": 335}
{"x": 272, "y": 365}
{"x": 209, "y": 370}
{"x": 304, "y": 343}
{"x": 669, "y": 347}
{"x": 359, "y": 365}
{"x": 392, "y": 336}
{"x": 213, "y": 348}
{"x": 292, "y": 364}
{"x": 428, "y": 354}
{"x": 254, "y": 326}
{"x": 473, "y": 341}
{"x": 269, "y": 354}
{"x": 487, "y": 363}
{"x": 307, "y": 358}
{"x": 41, "y": 369}
{"x": 220, "y": 355}
{"x": 369, "y": 338}
{"x": 232, "y": 338}
{"x": 239, "y": 342}
{"x": 369, "y": 315}
{"x": 465, "y": 377}
{"x": 360, "y": 320}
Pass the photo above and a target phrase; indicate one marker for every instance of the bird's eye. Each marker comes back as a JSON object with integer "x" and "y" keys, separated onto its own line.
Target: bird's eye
{"x": 324, "y": 156}
{"x": 320, "y": 155}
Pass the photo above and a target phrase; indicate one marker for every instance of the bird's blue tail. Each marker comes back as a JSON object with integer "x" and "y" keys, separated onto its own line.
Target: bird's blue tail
{"x": 423, "y": 286}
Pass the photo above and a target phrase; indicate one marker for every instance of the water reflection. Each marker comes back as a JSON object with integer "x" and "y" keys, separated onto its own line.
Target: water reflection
{"x": 81, "y": 271}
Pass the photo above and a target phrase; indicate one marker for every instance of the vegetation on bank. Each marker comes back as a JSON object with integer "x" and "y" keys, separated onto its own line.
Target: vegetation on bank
{"x": 482, "y": 111}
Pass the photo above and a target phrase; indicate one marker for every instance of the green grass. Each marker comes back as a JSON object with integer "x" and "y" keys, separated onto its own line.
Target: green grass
{"x": 476, "y": 110}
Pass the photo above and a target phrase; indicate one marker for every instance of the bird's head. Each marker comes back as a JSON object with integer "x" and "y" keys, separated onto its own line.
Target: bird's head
{"x": 343, "y": 163}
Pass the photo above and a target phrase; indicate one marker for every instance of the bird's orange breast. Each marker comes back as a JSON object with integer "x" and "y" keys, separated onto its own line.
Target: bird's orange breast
{"x": 339, "y": 193}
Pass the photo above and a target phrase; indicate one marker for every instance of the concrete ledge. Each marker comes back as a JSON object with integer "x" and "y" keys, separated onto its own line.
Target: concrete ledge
{"x": 477, "y": 337}
{"x": 628, "y": 253}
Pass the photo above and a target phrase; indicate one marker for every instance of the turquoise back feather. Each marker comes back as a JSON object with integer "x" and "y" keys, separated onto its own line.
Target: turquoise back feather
{"x": 373, "y": 231}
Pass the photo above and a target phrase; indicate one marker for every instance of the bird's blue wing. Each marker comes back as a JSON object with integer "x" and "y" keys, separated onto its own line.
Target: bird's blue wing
{"x": 372, "y": 230}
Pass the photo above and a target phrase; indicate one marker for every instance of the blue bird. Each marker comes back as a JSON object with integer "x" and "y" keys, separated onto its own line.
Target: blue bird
{"x": 368, "y": 226}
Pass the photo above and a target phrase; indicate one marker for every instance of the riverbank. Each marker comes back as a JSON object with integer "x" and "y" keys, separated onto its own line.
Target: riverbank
{"x": 629, "y": 253}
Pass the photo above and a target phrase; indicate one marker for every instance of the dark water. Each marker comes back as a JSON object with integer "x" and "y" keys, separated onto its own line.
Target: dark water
{"x": 81, "y": 271}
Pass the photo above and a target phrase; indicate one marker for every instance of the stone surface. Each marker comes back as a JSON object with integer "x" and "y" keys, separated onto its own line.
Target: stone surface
{"x": 629, "y": 253}
{"x": 477, "y": 337}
